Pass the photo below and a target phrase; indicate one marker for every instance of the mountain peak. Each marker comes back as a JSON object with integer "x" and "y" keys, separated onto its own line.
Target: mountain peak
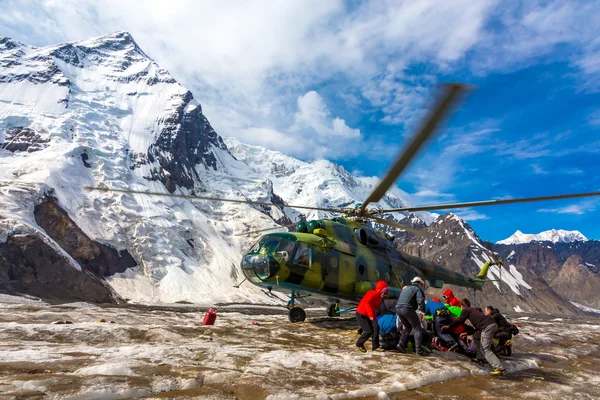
{"x": 119, "y": 36}
{"x": 7, "y": 43}
{"x": 553, "y": 235}
{"x": 114, "y": 41}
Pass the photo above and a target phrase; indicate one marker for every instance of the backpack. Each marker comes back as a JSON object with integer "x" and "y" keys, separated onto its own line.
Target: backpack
{"x": 443, "y": 312}
{"x": 513, "y": 329}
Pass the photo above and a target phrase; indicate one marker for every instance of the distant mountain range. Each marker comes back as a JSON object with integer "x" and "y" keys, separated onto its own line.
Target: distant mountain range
{"x": 554, "y": 236}
{"x": 571, "y": 269}
{"x": 101, "y": 112}
{"x": 516, "y": 287}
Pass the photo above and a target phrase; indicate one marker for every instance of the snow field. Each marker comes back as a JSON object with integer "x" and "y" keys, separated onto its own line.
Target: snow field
{"x": 152, "y": 350}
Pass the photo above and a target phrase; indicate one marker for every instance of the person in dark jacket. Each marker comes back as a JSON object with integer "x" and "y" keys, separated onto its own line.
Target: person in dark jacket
{"x": 487, "y": 326}
{"x": 387, "y": 306}
{"x": 504, "y": 332}
{"x": 503, "y": 324}
{"x": 411, "y": 299}
{"x": 366, "y": 315}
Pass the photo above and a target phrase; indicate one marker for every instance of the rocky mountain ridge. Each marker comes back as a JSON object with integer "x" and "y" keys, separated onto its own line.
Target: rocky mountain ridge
{"x": 516, "y": 287}
{"x": 571, "y": 269}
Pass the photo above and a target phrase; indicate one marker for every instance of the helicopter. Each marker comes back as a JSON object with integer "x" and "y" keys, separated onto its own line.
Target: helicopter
{"x": 341, "y": 258}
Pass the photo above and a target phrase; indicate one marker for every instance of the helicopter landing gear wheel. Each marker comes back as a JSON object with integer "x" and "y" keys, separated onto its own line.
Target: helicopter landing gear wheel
{"x": 297, "y": 314}
{"x": 332, "y": 310}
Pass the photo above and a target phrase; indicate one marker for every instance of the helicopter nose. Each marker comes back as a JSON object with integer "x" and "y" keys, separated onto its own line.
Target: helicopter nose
{"x": 257, "y": 267}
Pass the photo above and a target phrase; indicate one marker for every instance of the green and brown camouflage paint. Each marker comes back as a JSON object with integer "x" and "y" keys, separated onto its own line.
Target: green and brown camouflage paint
{"x": 343, "y": 260}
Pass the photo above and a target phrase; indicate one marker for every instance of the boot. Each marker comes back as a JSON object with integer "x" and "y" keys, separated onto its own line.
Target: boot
{"x": 421, "y": 352}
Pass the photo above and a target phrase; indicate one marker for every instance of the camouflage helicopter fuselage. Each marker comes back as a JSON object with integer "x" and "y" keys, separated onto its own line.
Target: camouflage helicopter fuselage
{"x": 340, "y": 258}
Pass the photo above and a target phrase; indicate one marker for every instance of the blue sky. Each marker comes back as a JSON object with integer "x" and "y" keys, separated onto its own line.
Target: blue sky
{"x": 349, "y": 81}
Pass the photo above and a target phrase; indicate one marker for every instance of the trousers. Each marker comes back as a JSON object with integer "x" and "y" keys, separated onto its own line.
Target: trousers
{"x": 370, "y": 329}
{"x": 411, "y": 321}
{"x": 440, "y": 321}
{"x": 484, "y": 346}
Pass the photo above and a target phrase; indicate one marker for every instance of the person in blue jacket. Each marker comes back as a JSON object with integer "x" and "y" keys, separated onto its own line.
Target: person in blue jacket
{"x": 431, "y": 306}
{"x": 441, "y": 316}
{"x": 386, "y": 318}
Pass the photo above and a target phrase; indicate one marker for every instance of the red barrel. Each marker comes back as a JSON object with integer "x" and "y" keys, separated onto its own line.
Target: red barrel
{"x": 210, "y": 316}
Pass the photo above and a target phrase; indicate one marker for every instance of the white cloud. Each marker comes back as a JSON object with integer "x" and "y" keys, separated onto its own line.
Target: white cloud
{"x": 576, "y": 209}
{"x": 313, "y": 113}
{"x": 314, "y": 134}
{"x": 532, "y": 31}
{"x": 594, "y": 118}
{"x": 572, "y": 209}
{"x": 539, "y": 170}
{"x": 436, "y": 173}
{"x": 272, "y": 139}
{"x": 432, "y": 196}
{"x": 571, "y": 171}
{"x": 469, "y": 214}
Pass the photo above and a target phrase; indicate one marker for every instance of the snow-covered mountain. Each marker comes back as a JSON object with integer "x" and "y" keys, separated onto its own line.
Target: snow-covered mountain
{"x": 319, "y": 183}
{"x": 553, "y": 235}
{"x": 101, "y": 112}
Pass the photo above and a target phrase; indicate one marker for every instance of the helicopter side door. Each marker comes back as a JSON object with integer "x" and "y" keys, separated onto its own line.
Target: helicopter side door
{"x": 307, "y": 266}
{"x": 339, "y": 273}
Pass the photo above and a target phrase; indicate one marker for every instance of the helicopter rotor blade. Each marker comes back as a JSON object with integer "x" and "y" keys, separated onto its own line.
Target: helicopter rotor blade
{"x": 395, "y": 225}
{"x": 489, "y": 202}
{"x": 441, "y": 109}
{"x": 192, "y": 197}
{"x": 263, "y": 230}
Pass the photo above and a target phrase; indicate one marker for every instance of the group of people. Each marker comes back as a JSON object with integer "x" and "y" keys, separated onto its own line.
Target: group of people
{"x": 454, "y": 324}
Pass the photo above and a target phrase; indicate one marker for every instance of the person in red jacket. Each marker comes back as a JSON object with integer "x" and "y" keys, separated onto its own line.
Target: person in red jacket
{"x": 450, "y": 299}
{"x": 366, "y": 315}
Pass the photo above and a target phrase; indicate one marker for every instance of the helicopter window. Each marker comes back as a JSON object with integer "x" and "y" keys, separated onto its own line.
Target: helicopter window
{"x": 302, "y": 257}
{"x": 361, "y": 235}
{"x": 286, "y": 245}
{"x": 333, "y": 261}
{"x": 269, "y": 245}
{"x": 361, "y": 269}
{"x": 285, "y": 249}
{"x": 345, "y": 265}
{"x": 255, "y": 247}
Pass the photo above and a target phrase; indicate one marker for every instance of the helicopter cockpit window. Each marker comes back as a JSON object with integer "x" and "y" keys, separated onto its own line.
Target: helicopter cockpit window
{"x": 285, "y": 250}
{"x": 302, "y": 257}
{"x": 255, "y": 247}
{"x": 269, "y": 245}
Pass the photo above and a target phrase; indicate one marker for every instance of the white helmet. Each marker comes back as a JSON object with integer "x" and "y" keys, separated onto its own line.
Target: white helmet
{"x": 417, "y": 279}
